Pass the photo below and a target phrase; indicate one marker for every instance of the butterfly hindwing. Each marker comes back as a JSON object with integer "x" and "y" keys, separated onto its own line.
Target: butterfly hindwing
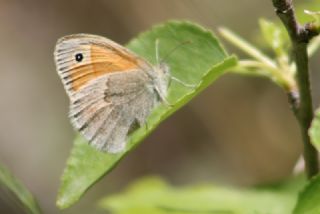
{"x": 105, "y": 109}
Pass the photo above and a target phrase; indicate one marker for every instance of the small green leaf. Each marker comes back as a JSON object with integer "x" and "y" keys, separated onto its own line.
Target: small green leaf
{"x": 315, "y": 15}
{"x": 308, "y": 201}
{"x": 25, "y": 198}
{"x": 314, "y": 131}
{"x": 154, "y": 196}
{"x": 201, "y": 61}
{"x": 275, "y": 36}
{"x": 309, "y": 198}
{"x": 307, "y": 5}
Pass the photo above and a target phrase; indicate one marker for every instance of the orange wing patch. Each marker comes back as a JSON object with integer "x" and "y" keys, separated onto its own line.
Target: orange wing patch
{"x": 101, "y": 60}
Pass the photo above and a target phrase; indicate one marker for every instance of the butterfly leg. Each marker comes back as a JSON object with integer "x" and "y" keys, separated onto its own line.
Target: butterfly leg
{"x": 166, "y": 102}
{"x": 164, "y": 99}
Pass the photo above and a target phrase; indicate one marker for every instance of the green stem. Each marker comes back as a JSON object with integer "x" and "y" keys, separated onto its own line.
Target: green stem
{"x": 305, "y": 112}
{"x": 300, "y": 37}
{"x": 247, "y": 47}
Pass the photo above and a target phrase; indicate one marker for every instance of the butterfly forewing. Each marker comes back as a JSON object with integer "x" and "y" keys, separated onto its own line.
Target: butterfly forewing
{"x": 82, "y": 57}
{"x": 108, "y": 86}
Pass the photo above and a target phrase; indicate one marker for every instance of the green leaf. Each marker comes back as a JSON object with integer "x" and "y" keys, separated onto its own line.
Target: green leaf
{"x": 313, "y": 5}
{"x": 201, "y": 61}
{"x": 154, "y": 196}
{"x": 275, "y": 36}
{"x": 316, "y": 17}
{"x": 21, "y": 194}
{"x": 309, "y": 198}
{"x": 314, "y": 131}
{"x": 308, "y": 201}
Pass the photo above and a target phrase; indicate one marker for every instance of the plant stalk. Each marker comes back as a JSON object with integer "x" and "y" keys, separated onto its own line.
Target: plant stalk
{"x": 305, "y": 111}
{"x": 302, "y": 106}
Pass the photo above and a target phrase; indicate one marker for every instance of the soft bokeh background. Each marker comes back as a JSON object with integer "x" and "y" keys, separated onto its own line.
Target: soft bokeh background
{"x": 239, "y": 131}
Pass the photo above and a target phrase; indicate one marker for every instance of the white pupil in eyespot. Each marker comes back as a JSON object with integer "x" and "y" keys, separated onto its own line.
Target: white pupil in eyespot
{"x": 79, "y": 57}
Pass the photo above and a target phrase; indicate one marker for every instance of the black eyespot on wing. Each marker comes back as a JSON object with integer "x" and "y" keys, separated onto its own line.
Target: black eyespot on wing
{"x": 79, "y": 57}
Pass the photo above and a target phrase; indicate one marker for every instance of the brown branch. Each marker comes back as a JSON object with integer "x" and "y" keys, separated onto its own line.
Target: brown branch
{"x": 300, "y": 36}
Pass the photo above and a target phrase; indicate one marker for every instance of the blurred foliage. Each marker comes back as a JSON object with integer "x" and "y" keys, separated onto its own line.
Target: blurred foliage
{"x": 314, "y": 131}
{"x": 274, "y": 36}
{"x": 304, "y": 17}
{"x": 155, "y": 196}
{"x": 316, "y": 19}
{"x": 308, "y": 201}
{"x": 279, "y": 70}
{"x": 277, "y": 66}
{"x": 21, "y": 194}
{"x": 199, "y": 62}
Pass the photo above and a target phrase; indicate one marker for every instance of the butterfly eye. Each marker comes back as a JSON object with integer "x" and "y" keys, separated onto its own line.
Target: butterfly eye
{"x": 79, "y": 57}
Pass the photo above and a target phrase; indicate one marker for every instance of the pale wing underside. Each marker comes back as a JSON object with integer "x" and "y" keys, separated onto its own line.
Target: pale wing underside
{"x": 106, "y": 109}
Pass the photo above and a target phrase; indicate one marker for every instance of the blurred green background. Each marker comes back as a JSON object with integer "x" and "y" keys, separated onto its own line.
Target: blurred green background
{"x": 239, "y": 131}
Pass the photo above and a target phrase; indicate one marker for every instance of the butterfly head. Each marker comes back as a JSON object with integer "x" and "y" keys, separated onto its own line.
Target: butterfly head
{"x": 161, "y": 78}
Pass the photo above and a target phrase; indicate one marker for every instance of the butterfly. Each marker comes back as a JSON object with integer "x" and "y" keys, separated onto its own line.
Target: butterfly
{"x": 112, "y": 91}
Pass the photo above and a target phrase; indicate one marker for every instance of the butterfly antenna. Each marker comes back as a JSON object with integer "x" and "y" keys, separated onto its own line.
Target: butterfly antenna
{"x": 174, "y": 49}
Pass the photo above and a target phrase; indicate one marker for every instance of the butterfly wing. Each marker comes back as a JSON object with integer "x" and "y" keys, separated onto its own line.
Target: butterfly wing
{"x": 83, "y": 57}
{"x": 109, "y": 106}
{"x": 108, "y": 87}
